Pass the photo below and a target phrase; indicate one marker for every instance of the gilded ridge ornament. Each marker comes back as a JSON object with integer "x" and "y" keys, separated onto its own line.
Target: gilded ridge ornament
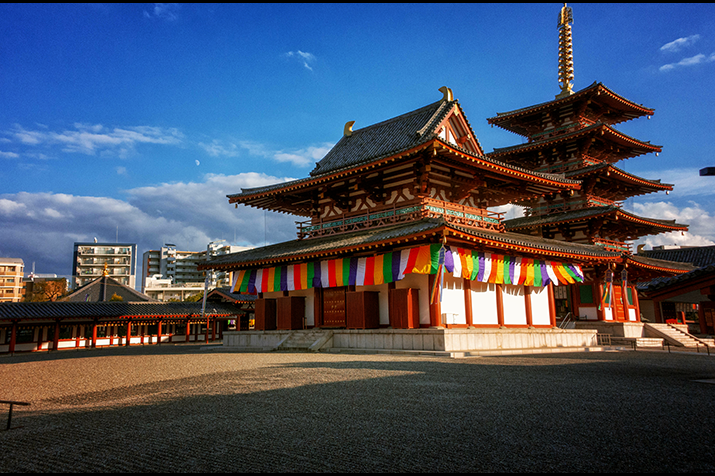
{"x": 565, "y": 52}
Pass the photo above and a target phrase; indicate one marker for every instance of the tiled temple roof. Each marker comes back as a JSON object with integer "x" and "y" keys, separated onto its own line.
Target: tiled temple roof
{"x": 598, "y": 127}
{"x": 698, "y": 256}
{"x": 665, "y": 283}
{"x": 597, "y": 168}
{"x": 355, "y": 241}
{"x": 660, "y": 264}
{"x": 595, "y": 88}
{"x": 584, "y": 213}
{"x": 118, "y": 310}
{"x": 103, "y": 288}
{"x": 390, "y": 138}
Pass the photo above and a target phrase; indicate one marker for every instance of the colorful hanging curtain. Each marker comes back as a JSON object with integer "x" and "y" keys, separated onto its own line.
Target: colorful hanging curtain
{"x": 390, "y": 267}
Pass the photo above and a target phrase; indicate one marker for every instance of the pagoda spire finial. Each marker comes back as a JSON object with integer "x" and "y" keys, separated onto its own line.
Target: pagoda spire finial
{"x": 565, "y": 52}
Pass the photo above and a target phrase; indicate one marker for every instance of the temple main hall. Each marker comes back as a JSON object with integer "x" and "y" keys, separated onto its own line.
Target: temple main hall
{"x": 398, "y": 246}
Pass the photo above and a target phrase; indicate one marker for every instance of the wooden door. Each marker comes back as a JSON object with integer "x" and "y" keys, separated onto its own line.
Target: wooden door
{"x": 334, "y": 307}
{"x": 620, "y": 313}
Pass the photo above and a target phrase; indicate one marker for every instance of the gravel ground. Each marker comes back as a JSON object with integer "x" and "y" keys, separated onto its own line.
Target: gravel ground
{"x": 178, "y": 408}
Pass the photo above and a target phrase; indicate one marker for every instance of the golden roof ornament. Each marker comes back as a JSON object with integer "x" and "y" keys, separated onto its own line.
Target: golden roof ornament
{"x": 105, "y": 271}
{"x": 565, "y": 52}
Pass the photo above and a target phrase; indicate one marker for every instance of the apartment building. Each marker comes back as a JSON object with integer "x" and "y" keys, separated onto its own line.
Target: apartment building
{"x": 11, "y": 273}
{"x": 169, "y": 273}
{"x": 90, "y": 258}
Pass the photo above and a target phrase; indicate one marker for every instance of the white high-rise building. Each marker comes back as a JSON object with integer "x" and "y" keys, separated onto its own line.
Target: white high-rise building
{"x": 169, "y": 273}
{"x": 90, "y": 258}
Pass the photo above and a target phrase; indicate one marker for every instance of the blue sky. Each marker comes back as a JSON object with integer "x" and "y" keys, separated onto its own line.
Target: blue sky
{"x": 135, "y": 121}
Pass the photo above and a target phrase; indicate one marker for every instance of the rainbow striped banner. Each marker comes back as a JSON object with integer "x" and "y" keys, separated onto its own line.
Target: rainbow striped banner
{"x": 479, "y": 266}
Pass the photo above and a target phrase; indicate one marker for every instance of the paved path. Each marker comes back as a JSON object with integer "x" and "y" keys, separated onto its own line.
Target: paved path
{"x": 179, "y": 408}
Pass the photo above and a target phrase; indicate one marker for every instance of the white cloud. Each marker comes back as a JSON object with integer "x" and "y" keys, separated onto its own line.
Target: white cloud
{"x": 91, "y": 139}
{"x": 42, "y": 227}
{"x": 307, "y": 59}
{"x": 676, "y": 45}
{"x": 9, "y": 155}
{"x": 304, "y": 157}
{"x": 700, "y": 224}
{"x": 686, "y": 182}
{"x": 691, "y": 61}
{"x": 121, "y": 170}
{"x": 163, "y": 11}
{"x": 217, "y": 149}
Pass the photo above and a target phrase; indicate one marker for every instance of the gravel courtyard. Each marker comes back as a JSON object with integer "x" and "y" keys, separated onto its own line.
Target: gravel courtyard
{"x": 178, "y": 408}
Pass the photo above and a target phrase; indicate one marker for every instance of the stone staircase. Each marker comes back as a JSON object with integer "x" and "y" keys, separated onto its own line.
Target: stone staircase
{"x": 307, "y": 340}
{"x": 672, "y": 335}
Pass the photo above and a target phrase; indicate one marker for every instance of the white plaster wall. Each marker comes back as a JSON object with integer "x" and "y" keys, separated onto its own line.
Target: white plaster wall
{"x": 453, "y": 309}
{"x": 540, "y": 306}
{"x": 514, "y": 305}
{"x": 421, "y": 282}
{"x": 484, "y": 303}
{"x": 608, "y": 313}
{"x": 590, "y": 313}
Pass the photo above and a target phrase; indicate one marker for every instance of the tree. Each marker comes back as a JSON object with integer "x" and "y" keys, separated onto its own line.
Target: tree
{"x": 45, "y": 290}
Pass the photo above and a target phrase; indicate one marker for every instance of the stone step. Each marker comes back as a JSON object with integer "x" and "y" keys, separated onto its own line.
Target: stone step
{"x": 302, "y": 340}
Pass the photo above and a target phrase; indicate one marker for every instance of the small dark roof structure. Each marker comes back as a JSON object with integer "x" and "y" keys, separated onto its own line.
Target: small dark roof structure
{"x": 225, "y": 295}
{"x": 699, "y": 280}
{"x": 697, "y": 255}
{"x": 103, "y": 288}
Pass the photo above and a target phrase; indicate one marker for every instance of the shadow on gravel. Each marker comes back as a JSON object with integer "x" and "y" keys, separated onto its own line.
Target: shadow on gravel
{"x": 607, "y": 412}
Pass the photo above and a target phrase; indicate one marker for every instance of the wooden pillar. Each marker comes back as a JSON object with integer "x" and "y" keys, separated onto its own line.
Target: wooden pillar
{"x": 56, "y": 338}
{"x": 435, "y": 308}
{"x": 188, "y": 329}
{"x": 318, "y": 307}
{"x": 637, "y": 303}
{"x": 527, "y": 306}
{"x": 13, "y": 336}
{"x": 40, "y": 330}
{"x": 208, "y": 323}
{"x": 500, "y": 305}
{"x": 213, "y": 330}
{"x": 657, "y": 311}
{"x": 552, "y": 305}
{"x": 76, "y": 341}
{"x": 94, "y": 333}
{"x": 142, "y": 331}
{"x": 467, "y": 285}
{"x": 601, "y": 310}
{"x": 158, "y": 332}
{"x": 129, "y": 333}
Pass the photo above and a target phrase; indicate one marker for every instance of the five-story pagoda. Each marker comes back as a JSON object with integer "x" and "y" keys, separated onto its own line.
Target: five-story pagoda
{"x": 574, "y": 135}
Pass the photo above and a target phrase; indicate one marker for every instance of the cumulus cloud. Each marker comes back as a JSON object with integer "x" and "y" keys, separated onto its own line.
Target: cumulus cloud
{"x": 93, "y": 139}
{"x": 42, "y": 227}
{"x": 700, "y": 230}
{"x": 303, "y": 157}
{"x": 677, "y": 45}
{"x": 8, "y": 155}
{"x": 308, "y": 59}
